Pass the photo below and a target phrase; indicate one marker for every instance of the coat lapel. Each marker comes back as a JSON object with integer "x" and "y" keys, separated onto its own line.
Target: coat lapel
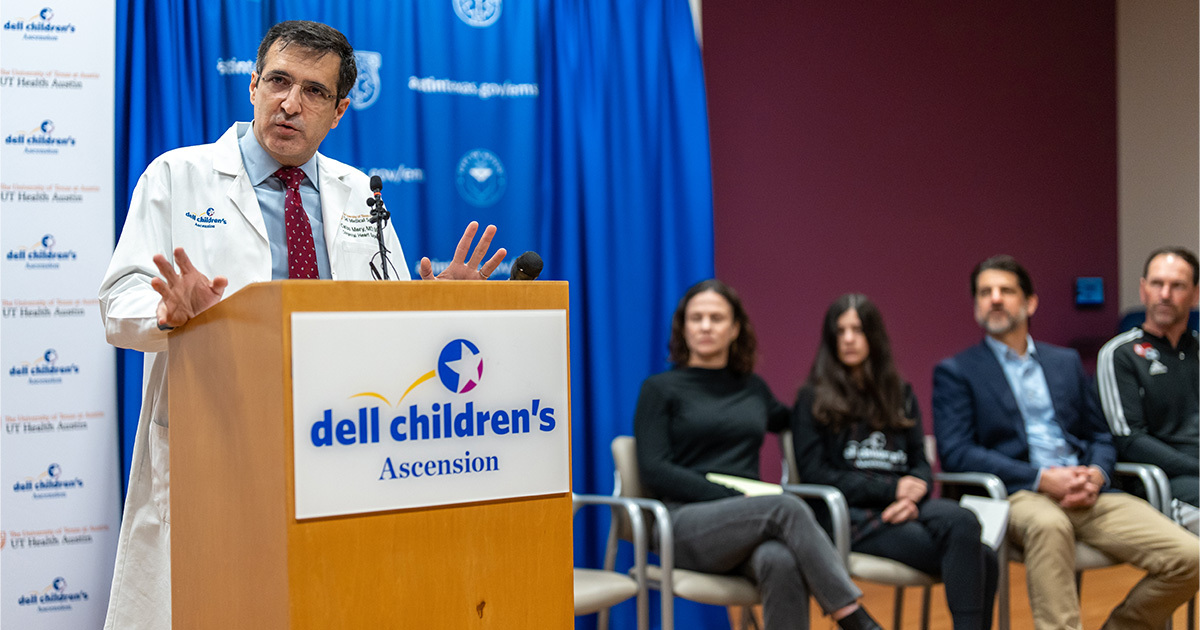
{"x": 335, "y": 195}
{"x": 228, "y": 161}
{"x": 995, "y": 383}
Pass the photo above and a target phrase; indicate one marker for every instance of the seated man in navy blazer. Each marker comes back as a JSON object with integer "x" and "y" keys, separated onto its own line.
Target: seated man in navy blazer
{"x": 1025, "y": 412}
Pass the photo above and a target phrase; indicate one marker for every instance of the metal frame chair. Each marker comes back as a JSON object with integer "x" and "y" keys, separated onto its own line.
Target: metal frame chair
{"x": 598, "y": 590}
{"x": 706, "y": 588}
{"x": 865, "y": 566}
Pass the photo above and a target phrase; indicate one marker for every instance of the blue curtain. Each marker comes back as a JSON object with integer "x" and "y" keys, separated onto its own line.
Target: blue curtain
{"x": 627, "y": 186}
{"x": 619, "y": 202}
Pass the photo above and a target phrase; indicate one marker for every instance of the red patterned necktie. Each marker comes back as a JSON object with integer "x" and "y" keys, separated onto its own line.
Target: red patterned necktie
{"x": 302, "y": 255}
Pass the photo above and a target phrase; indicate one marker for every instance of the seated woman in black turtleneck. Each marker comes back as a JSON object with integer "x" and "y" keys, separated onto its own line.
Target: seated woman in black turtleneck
{"x": 856, "y": 426}
{"x": 709, "y": 414}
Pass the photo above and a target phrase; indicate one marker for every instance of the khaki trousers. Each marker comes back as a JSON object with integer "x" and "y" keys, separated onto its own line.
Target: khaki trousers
{"x": 1122, "y": 526}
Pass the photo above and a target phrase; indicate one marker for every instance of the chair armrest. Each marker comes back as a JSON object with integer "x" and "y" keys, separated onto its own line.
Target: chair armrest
{"x": 839, "y": 513}
{"x": 1154, "y": 480}
{"x": 986, "y": 481}
{"x": 633, "y": 511}
{"x": 666, "y": 558}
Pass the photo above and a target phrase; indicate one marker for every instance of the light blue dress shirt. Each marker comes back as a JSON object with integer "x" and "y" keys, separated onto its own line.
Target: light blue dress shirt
{"x": 270, "y": 191}
{"x": 1047, "y": 446}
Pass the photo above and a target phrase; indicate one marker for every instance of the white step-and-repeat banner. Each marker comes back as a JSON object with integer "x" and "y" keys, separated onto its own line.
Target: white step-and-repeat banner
{"x": 59, "y": 483}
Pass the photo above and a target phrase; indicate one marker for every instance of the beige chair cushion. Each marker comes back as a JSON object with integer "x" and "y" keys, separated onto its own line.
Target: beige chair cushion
{"x": 709, "y": 588}
{"x": 887, "y": 571}
{"x": 596, "y": 590}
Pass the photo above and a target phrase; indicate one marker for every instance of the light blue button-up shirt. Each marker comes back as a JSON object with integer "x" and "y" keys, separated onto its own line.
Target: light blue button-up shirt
{"x": 270, "y": 191}
{"x": 1047, "y": 446}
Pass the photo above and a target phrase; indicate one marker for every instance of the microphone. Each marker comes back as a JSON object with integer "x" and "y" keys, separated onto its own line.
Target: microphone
{"x": 376, "y": 200}
{"x": 379, "y": 216}
{"x": 527, "y": 267}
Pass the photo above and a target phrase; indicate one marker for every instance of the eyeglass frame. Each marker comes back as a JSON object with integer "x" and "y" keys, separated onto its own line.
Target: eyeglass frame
{"x": 322, "y": 93}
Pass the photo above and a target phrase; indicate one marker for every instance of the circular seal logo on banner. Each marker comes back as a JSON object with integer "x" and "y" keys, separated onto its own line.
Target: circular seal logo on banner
{"x": 478, "y": 13}
{"x": 460, "y": 366}
{"x": 366, "y": 87}
{"x": 48, "y": 241}
{"x": 47, "y": 126}
{"x": 481, "y": 178}
{"x": 46, "y": 13}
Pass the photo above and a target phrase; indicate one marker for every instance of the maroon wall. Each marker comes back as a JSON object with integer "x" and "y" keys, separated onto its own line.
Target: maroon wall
{"x": 886, "y": 147}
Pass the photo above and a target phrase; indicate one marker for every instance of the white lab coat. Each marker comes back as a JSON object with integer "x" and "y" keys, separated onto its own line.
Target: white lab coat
{"x": 199, "y": 198}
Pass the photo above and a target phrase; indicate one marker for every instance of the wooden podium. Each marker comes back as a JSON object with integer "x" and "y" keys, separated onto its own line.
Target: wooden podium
{"x": 239, "y": 557}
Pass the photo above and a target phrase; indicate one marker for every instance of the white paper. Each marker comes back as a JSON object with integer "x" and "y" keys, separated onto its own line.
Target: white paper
{"x": 992, "y": 515}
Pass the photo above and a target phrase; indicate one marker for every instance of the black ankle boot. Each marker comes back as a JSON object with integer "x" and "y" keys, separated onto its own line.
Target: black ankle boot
{"x": 859, "y": 620}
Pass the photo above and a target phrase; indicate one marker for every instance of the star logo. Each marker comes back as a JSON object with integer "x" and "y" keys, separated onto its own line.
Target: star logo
{"x": 460, "y": 366}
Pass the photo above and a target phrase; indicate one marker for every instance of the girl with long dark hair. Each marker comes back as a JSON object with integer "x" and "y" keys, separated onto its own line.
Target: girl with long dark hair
{"x": 856, "y": 426}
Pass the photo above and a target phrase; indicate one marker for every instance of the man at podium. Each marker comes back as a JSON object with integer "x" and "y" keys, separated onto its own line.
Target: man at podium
{"x": 259, "y": 204}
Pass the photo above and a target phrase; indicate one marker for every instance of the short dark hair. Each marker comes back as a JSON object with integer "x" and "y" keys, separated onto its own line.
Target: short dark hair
{"x": 743, "y": 352}
{"x": 1003, "y": 262}
{"x": 1181, "y": 252}
{"x": 839, "y": 401}
{"x": 317, "y": 37}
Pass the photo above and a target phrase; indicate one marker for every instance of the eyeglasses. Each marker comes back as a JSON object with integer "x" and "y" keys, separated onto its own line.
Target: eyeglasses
{"x": 280, "y": 85}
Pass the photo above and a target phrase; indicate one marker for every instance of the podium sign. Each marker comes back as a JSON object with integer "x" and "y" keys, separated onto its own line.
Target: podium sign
{"x": 395, "y": 410}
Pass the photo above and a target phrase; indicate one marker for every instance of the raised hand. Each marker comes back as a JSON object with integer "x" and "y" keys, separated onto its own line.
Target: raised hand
{"x": 184, "y": 294}
{"x": 470, "y": 269}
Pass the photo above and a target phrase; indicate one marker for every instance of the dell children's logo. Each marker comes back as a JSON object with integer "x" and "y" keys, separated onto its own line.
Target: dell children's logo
{"x": 40, "y": 25}
{"x": 44, "y": 369}
{"x": 460, "y": 370}
{"x": 40, "y": 139}
{"x": 49, "y": 483}
{"x": 206, "y": 218}
{"x": 460, "y": 366}
{"x": 56, "y": 596}
{"x": 42, "y": 254}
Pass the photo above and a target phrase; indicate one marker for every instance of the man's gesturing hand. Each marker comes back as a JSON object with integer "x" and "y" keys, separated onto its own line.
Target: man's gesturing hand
{"x": 184, "y": 294}
{"x": 471, "y": 269}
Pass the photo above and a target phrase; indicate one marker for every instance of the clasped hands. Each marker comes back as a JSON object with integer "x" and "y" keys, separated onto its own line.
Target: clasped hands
{"x": 1072, "y": 486}
{"x": 909, "y": 492}
{"x": 188, "y": 292}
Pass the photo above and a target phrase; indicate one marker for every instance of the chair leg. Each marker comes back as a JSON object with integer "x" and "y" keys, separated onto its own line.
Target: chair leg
{"x": 898, "y": 609}
{"x": 1002, "y": 585}
{"x": 750, "y": 617}
{"x": 743, "y": 617}
{"x": 927, "y": 592}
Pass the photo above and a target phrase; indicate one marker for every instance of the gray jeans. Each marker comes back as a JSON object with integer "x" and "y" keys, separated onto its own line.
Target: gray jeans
{"x": 776, "y": 541}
